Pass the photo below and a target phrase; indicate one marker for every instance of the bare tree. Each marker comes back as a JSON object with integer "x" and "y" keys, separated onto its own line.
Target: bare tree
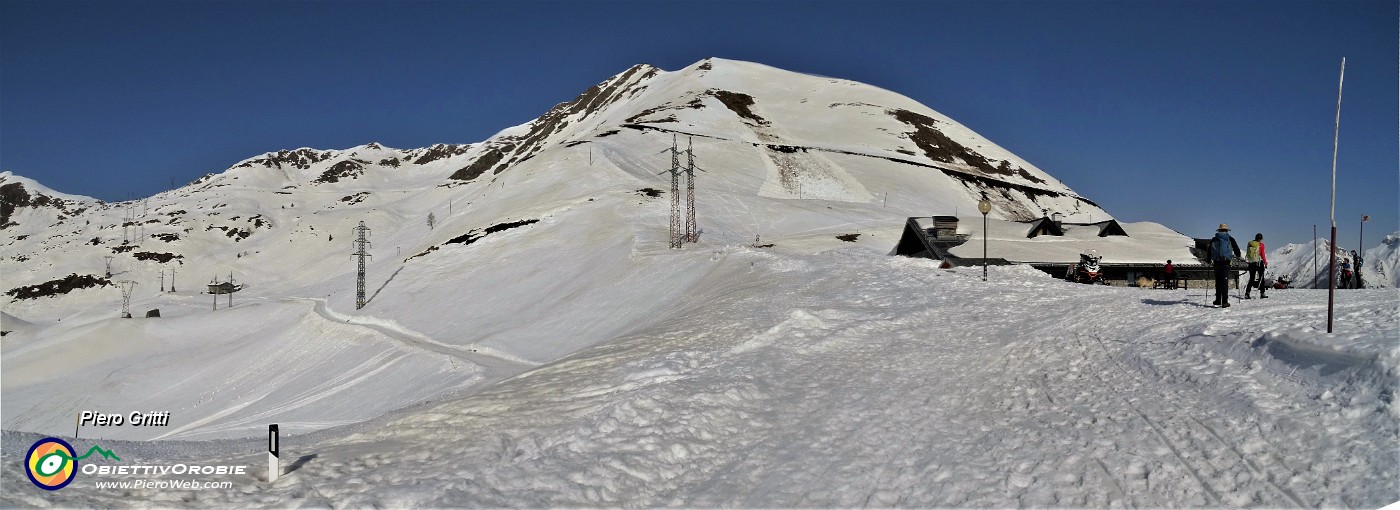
{"x": 432, "y": 220}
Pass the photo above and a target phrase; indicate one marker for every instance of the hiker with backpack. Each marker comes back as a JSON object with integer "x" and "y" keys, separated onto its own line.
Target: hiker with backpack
{"x": 1258, "y": 261}
{"x": 1345, "y": 281}
{"x": 1223, "y": 248}
{"x": 1357, "y": 257}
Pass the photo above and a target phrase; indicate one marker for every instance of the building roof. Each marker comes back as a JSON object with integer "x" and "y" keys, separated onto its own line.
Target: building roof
{"x": 1139, "y": 243}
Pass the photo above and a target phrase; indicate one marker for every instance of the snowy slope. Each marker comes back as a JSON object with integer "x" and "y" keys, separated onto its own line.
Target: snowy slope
{"x": 849, "y": 378}
{"x": 1381, "y": 264}
{"x": 1304, "y": 262}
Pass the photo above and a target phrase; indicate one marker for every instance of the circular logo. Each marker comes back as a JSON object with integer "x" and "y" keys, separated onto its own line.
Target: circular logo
{"x": 51, "y": 463}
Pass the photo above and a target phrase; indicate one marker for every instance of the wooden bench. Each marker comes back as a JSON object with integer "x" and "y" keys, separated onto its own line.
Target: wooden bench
{"x": 1175, "y": 282}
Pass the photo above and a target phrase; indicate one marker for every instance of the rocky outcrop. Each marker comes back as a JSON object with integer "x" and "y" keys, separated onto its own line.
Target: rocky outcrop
{"x": 505, "y": 151}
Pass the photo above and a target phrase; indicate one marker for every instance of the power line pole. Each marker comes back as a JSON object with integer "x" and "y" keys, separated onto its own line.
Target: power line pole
{"x": 126, "y": 223}
{"x": 675, "y": 170}
{"x": 145, "y": 209}
{"x": 109, "y": 265}
{"x": 690, "y": 235}
{"x": 126, "y": 286}
{"x": 172, "y": 279}
{"x": 230, "y": 289}
{"x": 360, "y": 245}
{"x": 162, "y": 280}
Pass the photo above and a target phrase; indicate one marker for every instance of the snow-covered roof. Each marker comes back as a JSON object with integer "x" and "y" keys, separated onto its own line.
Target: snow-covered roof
{"x": 1146, "y": 242}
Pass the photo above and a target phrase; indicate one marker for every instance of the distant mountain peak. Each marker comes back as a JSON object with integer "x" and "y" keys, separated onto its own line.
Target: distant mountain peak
{"x": 779, "y": 111}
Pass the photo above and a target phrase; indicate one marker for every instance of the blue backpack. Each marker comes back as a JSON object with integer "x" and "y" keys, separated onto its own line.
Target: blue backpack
{"x": 1220, "y": 246}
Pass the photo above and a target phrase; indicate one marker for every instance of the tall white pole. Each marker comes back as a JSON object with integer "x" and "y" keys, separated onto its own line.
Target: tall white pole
{"x": 1332, "y": 246}
{"x": 1335, "y": 132}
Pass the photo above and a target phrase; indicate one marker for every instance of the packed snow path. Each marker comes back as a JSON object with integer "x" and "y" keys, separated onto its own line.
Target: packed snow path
{"x": 495, "y": 366}
{"x": 848, "y": 379}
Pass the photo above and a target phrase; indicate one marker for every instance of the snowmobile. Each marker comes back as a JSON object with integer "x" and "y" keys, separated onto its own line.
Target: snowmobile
{"x": 1087, "y": 270}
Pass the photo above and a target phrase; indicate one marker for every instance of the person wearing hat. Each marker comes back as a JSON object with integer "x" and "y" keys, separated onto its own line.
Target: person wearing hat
{"x": 1222, "y": 247}
{"x": 1258, "y": 260}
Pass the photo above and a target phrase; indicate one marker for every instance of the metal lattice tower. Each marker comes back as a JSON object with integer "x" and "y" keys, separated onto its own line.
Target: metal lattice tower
{"x": 676, "y": 235}
{"x": 126, "y": 286}
{"x": 172, "y": 279}
{"x": 145, "y": 208}
{"x": 690, "y": 235}
{"x": 108, "y": 258}
{"x": 361, "y": 244}
{"x": 126, "y": 223}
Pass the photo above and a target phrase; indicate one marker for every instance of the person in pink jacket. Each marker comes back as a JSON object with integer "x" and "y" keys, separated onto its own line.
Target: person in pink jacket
{"x": 1258, "y": 261}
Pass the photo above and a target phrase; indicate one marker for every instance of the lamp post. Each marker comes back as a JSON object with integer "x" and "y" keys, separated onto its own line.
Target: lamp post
{"x": 984, "y": 206}
{"x": 1360, "y": 248}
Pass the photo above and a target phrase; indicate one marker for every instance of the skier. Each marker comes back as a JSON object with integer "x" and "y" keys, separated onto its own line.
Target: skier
{"x": 1221, "y": 249}
{"x": 1258, "y": 261}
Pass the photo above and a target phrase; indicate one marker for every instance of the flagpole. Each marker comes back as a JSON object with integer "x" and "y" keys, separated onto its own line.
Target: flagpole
{"x": 1360, "y": 249}
{"x": 1332, "y": 246}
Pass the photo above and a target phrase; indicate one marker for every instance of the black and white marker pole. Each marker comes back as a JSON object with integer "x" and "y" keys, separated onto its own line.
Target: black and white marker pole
{"x": 273, "y": 467}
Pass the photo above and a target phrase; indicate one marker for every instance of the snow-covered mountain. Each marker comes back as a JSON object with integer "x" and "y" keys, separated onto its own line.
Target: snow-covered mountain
{"x": 1306, "y": 264}
{"x": 530, "y": 339}
{"x": 546, "y": 238}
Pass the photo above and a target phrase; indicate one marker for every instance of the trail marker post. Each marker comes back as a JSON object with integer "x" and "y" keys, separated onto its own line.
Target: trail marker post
{"x": 274, "y": 468}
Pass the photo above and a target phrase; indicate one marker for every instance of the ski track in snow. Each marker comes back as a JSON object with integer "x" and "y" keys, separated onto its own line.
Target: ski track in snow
{"x": 908, "y": 387}
{"x": 496, "y": 365}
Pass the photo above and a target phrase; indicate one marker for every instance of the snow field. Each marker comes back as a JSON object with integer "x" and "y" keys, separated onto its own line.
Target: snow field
{"x": 847, "y": 378}
{"x": 257, "y": 363}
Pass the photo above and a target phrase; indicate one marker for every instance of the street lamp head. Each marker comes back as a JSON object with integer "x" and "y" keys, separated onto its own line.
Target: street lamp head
{"x": 984, "y": 206}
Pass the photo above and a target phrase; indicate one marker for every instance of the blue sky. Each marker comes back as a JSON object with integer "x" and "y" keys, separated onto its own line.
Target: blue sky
{"x": 1185, "y": 113}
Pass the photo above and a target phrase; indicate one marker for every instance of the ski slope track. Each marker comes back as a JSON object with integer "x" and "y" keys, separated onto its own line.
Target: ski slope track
{"x": 538, "y": 344}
